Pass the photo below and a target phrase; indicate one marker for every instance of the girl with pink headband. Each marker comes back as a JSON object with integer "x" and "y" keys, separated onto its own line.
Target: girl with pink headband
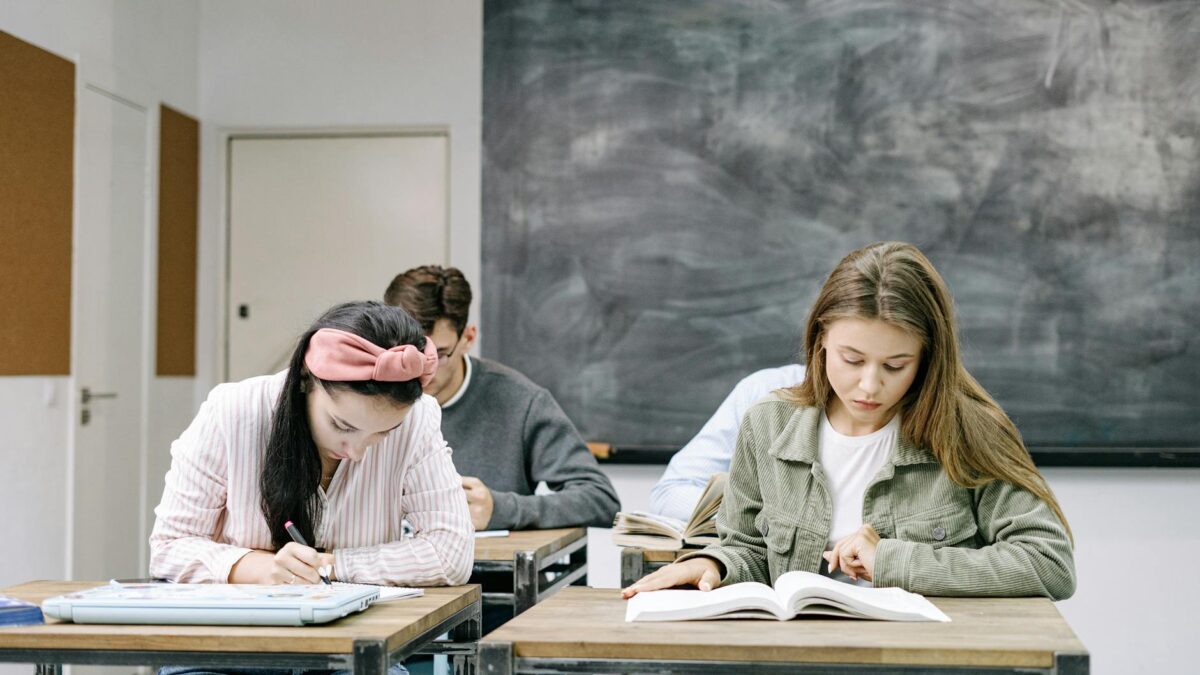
{"x": 343, "y": 445}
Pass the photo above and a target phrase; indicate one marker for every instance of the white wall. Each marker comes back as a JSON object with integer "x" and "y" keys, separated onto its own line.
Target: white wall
{"x": 151, "y": 47}
{"x": 145, "y": 45}
{"x": 1137, "y": 544}
{"x": 374, "y": 64}
{"x": 153, "y": 42}
{"x": 33, "y": 414}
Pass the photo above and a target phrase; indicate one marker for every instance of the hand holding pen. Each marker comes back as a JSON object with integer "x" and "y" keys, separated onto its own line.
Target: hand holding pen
{"x": 309, "y": 557}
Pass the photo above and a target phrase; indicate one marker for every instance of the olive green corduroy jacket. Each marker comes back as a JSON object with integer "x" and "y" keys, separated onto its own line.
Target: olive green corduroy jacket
{"x": 939, "y": 538}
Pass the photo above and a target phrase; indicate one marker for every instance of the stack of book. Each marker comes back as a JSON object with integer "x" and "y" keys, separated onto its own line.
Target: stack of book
{"x": 15, "y": 612}
{"x": 651, "y": 531}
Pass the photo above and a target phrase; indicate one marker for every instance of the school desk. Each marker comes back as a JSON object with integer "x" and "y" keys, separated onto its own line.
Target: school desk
{"x": 366, "y": 643}
{"x": 638, "y": 562}
{"x": 583, "y": 630}
{"x": 531, "y": 556}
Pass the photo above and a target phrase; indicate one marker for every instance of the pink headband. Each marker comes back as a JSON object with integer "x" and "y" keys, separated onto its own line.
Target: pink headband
{"x": 345, "y": 357}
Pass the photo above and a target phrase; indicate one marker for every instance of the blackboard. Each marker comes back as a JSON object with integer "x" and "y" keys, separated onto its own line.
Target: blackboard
{"x": 667, "y": 184}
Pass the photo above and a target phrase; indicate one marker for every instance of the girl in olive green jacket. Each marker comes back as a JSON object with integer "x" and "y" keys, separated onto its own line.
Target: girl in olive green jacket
{"x": 889, "y": 465}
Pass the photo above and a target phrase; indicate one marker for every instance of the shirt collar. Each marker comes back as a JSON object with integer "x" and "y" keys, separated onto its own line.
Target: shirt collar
{"x": 466, "y": 382}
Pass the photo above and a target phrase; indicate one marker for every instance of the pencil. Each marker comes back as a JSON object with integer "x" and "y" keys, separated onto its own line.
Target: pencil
{"x": 299, "y": 539}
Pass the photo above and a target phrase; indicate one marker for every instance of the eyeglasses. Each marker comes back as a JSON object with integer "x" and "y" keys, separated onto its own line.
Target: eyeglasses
{"x": 443, "y": 358}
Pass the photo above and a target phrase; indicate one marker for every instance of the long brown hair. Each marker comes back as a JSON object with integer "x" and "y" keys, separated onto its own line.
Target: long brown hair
{"x": 945, "y": 409}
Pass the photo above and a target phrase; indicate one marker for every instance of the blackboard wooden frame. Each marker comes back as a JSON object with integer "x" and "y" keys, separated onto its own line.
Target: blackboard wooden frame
{"x": 1043, "y": 456}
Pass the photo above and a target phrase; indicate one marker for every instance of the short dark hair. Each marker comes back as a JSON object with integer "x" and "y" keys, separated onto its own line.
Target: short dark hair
{"x": 430, "y": 293}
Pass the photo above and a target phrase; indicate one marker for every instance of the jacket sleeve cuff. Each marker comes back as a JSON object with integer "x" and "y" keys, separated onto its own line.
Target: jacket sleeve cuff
{"x": 734, "y": 568}
{"x": 892, "y": 558}
{"x": 504, "y": 510}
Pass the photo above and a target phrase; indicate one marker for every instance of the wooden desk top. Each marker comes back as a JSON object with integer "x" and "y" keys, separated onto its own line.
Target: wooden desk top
{"x": 1008, "y": 632}
{"x": 542, "y": 542}
{"x": 396, "y": 622}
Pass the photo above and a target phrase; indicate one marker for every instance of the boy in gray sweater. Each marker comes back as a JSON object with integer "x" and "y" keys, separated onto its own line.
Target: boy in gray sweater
{"x": 507, "y": 433}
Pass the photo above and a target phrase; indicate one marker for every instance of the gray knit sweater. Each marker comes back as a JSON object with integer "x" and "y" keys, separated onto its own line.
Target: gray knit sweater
{"x": 511, "y": 434}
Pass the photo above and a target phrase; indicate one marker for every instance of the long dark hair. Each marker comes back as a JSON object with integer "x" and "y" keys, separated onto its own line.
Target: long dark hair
{"x": 291, "y": 468}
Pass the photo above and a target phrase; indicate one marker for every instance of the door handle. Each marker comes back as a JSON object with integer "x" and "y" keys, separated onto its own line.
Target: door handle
{"x": 86, "y": 396}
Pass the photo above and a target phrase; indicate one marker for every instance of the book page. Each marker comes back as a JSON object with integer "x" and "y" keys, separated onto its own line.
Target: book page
{"x": 744, "y": 600}
{"x": 702, "y": 520}
{"x": 806, "y": 592}
{"x": 647, "y": 530}
{"x": 650, "y": 542}
{"x": 642, "y": 522}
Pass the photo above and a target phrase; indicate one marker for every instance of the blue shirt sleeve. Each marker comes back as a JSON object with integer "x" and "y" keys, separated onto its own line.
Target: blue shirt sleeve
{"x": 711, "y": 450}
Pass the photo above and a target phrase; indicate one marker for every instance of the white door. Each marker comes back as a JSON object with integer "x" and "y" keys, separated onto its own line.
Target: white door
{"x": 107, "y": 463}
{"x": 314, "y": 221}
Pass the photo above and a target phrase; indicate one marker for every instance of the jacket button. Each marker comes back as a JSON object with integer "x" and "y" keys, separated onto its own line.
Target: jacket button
{"x": 939, "y": 533}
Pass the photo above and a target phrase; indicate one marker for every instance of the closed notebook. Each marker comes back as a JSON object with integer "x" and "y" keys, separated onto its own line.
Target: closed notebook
{"x": 14, "y": 612}
{"x": 795, "y": 593}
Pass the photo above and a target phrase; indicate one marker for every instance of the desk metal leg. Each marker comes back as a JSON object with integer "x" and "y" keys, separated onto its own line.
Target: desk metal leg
{"x": 1072, "y": 664}
{"x": 495, "y": 658}
{"x": 48, "y": 669}
{"x": 579, "y": 559}
{"x": 632, "y": 566}
{"x": 370, "y": 657}
{"x": 468, "y": 631}
{"x": 525, "y": 581}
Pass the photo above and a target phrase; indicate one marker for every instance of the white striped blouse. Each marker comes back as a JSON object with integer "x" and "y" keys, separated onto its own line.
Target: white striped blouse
{"x": 210, "y": 516}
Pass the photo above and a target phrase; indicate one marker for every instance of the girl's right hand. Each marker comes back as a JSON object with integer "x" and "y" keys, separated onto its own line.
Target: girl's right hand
{"x": 298, "y": 564}
{"x": 292, "y": 564}
{"x": 703, "y": 573}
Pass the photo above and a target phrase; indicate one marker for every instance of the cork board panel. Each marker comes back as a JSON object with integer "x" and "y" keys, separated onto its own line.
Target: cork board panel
{"x": 178, "y": 200}
{"x": 37, "y": 138}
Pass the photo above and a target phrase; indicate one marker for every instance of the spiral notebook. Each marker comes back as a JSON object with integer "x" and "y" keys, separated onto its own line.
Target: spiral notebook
{"x": 223, "y": 604}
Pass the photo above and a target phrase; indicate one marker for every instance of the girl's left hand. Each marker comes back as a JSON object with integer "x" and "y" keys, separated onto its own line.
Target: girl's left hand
{"x": 855, "y": 554}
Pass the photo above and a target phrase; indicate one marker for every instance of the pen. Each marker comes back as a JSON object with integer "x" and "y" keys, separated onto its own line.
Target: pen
{"x": 299, "y": 539}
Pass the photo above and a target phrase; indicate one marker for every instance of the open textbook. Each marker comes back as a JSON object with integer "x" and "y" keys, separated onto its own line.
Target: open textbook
{"x": 795, "y": 593}
{"x": 652, "y": 531}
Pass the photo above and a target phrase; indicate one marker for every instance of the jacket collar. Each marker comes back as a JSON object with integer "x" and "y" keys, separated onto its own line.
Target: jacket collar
{"x": 800, "y": 439}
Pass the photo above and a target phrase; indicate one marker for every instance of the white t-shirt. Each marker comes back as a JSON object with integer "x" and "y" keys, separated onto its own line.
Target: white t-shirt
{"x": 850, "y": 463}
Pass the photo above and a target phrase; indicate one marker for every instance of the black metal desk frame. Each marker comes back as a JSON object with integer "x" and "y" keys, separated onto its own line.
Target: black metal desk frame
{"x": 496, "y": 658}
{"x": 566, "y": 566}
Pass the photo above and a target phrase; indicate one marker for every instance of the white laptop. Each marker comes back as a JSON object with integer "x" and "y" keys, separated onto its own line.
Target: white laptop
{"x": 226, "y": 604}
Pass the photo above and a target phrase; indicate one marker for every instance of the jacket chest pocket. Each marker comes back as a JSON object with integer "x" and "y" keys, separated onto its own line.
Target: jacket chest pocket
{"x": 790, "y": 547}
{"x": 943, "y": 527}
{"x": 781, "y": 540}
